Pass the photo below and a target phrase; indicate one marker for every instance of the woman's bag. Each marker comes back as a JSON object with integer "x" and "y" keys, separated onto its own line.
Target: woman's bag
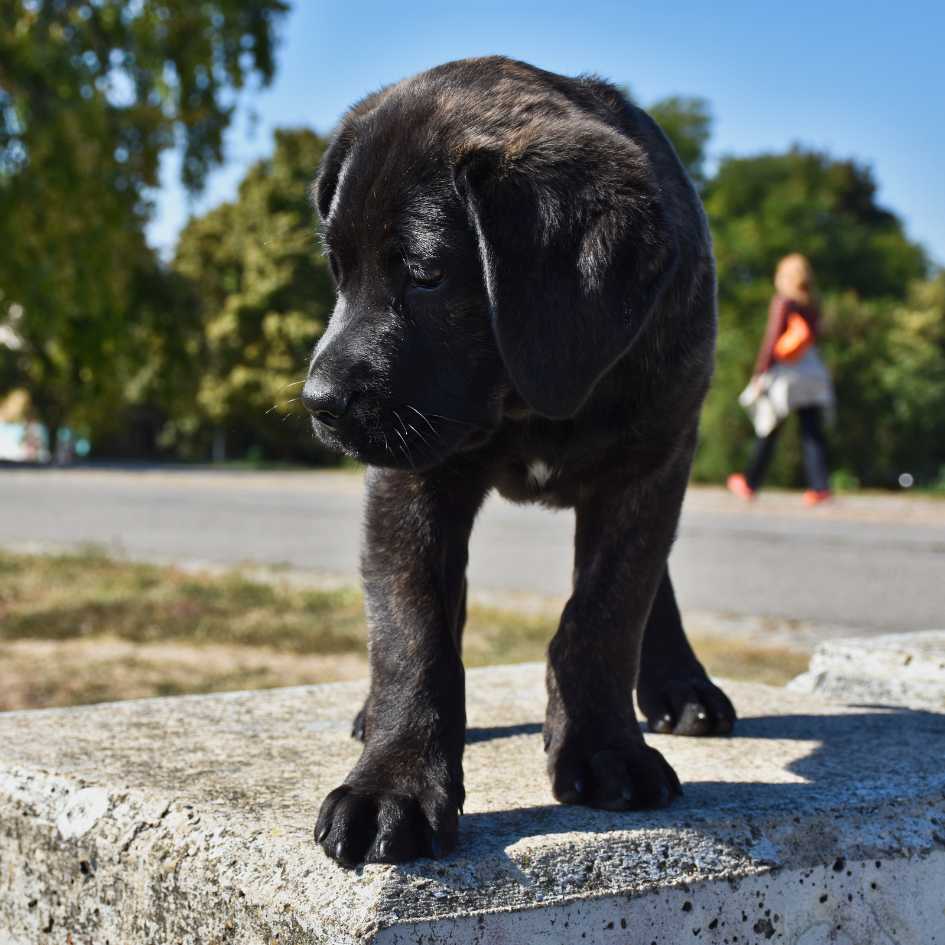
{"x": 805, "y": 382}
{"x": 758, "y": 405}
{"x": 795, "y": 341}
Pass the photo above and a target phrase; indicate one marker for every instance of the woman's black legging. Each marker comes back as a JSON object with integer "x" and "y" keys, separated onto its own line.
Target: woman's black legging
{"x": 815, "y": 451}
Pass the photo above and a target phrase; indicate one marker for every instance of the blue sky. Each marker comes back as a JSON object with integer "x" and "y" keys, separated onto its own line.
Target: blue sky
{"x": 862, "y": 80}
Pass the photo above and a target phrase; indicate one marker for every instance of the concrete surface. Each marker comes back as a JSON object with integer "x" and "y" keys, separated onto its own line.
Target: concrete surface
{"x": 897, "y": 669}
{"x": 189, "y": 820}
{"x": 869, "y": 563}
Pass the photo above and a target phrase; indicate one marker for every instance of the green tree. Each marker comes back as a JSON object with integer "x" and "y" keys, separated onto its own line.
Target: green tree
{"x": 687, "y": 123}
{"x": 91, "y": 94}
{"x": 889, "y": 364}
{"x": 760, "y": 209}
{"x": 764, "y": 207}
{"x": 265, "y": 294}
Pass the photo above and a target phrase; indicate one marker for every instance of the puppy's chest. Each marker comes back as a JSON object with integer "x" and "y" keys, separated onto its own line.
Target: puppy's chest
{"x": 531, "y": 480}
{"x": 555, "y": 466}
{"x": 546, "y": 461}
{"x": 538, "y": 472}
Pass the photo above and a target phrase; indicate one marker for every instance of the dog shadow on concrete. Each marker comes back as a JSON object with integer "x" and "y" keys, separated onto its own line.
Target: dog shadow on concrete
{"x": 863, "y": 755}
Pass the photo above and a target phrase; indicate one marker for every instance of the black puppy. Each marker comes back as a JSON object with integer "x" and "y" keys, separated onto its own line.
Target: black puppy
{"x": 526, "y": 302}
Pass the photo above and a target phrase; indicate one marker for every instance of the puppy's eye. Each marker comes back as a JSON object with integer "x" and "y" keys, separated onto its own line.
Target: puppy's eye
{"x": 426, "y": 276}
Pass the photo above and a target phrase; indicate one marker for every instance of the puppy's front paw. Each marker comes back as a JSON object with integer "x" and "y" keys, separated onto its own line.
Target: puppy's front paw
{"x": 687, "y": 705}
{"x": 628, "y": 777}
{"x": 370, "y": 824}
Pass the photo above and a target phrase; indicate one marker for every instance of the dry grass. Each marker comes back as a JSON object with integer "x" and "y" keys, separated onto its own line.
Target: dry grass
{"x": 85, "y": 627}
{"x": 36, "y": 673}
{"x": 755, "y": 662}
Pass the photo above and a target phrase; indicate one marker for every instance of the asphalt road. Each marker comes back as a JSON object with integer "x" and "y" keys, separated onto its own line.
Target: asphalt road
{"x": 865, "y": 563}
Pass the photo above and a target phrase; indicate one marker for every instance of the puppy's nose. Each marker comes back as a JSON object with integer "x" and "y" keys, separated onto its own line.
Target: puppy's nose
{"x": 325, "y": 402}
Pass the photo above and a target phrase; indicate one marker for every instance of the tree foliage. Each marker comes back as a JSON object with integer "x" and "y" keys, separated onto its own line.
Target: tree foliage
{"x": 265, "y": 293}
{"x": 760, "y": 209}
{"x": 91, "y": 94}
{"x": 889, "y": 363}
{"x": 764, "y": 207}
{"x": 105, "y": 336}
{"x": 687, "y": 123}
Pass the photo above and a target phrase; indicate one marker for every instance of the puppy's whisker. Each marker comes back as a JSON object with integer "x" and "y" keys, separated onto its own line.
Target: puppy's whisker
{"x": 422, "y": 437}
{"x": 289, "y": 415}
{"x": 280, "y": 405}
{"x": 465, "y": 423}
{"x": 403, "y": 437}
{"x": 404, "y": 448}
{"x": 433, "y": 429}
{"x": 400, "y": 420}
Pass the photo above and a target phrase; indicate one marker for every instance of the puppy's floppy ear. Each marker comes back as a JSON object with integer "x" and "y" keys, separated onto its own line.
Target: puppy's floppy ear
{"x": 326, "y": 183}
{"x": 575, "y": 255}
{"x": 329, "y": 171}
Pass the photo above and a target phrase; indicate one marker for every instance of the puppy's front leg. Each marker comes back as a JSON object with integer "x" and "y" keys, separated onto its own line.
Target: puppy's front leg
{"x": 596, "y": 752}
{"x": 403, "y": 797}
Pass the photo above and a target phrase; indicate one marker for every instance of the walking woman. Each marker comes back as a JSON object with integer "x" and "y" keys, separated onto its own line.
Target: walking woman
{"x": 789, "y": 376}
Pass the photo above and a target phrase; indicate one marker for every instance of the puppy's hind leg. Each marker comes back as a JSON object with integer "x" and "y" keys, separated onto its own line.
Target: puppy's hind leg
{"x": 674, "y": 691}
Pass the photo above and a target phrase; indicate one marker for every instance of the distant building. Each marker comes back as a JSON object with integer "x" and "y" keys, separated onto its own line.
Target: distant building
{"x": 23, "y": 440}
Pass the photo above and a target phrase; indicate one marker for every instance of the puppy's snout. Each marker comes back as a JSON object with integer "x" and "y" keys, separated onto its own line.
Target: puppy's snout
{"x": 326, "y": 402}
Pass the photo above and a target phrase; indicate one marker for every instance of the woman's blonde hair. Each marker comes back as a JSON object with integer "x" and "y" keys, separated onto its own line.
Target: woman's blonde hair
{"x": 794, "y": 279}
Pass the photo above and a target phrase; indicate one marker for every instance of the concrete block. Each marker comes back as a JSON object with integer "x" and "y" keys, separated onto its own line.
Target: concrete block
{"x": 895, "y": 669}
{"x": 189, "y": 820}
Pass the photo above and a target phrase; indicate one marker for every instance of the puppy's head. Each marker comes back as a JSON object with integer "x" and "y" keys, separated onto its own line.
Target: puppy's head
{"x": 494, "y": 241}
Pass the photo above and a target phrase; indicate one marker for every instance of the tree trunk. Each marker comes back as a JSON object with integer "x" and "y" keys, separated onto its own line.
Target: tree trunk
{"x": 219, "y": 445}
{"x": 51, "y": 419}
{"x": 52, "y": 437}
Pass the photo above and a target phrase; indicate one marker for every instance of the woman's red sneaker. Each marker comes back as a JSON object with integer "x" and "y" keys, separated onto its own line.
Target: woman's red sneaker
{"x": 738, "y": 485}
{"x": 816, "y": 496}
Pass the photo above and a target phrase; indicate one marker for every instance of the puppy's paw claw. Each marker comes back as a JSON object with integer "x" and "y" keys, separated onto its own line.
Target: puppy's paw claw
{"x": 694, "y": 706}
{"x": 631, "y": 777}
{"x": 358, "y": 825}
